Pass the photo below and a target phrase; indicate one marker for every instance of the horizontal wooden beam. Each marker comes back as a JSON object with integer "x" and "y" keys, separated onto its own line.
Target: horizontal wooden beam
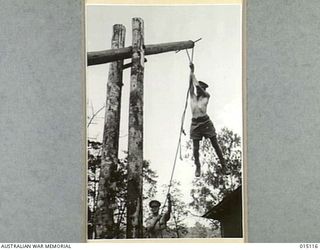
{"x": 111, "y": 55}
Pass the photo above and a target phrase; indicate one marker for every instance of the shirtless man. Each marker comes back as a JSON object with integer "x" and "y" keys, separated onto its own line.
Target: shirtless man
{"x": 201, "y": 125}
{"x": 157, "y": 223}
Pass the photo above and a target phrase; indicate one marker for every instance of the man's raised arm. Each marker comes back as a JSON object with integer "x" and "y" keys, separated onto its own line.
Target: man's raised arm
{"x": 192, "y": 80}
{"x": 168, "y": 213}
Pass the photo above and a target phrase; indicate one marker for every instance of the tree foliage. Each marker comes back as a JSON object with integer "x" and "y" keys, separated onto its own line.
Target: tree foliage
{"x": 120, "y": 175}
{"x": 176, "y": 228}
{"x": 216, "y": 182}
{"x": 201, "y": 231}
{"x": 207, "y": 191}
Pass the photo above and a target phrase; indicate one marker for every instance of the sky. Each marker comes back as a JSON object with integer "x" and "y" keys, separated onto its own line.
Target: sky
{"x": 217, "y": 59}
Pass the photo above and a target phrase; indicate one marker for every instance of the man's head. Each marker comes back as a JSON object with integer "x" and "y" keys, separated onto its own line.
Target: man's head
{"x": 154, "y": 205}
{"x": 200, "y": 88}
{"x": 203, "y": 85}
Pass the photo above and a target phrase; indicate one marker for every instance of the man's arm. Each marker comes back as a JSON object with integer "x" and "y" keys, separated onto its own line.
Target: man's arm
{"x": 151, "y": 224}
{"x": 166, "y": 216}
{"x": 191, "y": 80}
{"x": 194, "y": 82}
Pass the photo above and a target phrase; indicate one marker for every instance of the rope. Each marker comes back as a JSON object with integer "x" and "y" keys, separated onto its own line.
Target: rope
{"x": 192, "y": 56}
{"x": 188, "y": 56}
{"x": 179, "y": 140}
{"x": 175, "y": 158}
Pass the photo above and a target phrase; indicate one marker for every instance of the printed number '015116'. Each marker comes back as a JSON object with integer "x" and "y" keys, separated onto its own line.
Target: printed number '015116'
{"x": 311, "y": 245}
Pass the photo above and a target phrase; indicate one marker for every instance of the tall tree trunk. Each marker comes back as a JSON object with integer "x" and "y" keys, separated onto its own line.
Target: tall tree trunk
{"x": 109, "y": 160}
{"x": 135, "y": 143}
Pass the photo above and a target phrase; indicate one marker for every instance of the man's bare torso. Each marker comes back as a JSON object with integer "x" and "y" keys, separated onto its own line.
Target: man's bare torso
{"x": 199, "y": 105}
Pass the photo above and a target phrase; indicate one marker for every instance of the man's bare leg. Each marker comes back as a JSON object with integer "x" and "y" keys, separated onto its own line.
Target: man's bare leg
{"x": 196, "y": 157}
{"x": 217, "y": 148}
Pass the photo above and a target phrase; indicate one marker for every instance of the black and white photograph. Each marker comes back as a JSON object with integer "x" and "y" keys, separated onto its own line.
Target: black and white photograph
{"x": 164, "y": 107}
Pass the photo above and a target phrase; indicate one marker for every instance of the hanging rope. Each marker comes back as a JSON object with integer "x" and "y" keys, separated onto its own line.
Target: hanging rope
{"x": 181, "y": 132}
{"x": 190, "y": 59}
{"x": 179, "y": 140}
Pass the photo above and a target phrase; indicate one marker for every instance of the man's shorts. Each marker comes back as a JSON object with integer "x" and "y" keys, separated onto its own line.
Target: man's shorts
{"x": 202, "y": 127}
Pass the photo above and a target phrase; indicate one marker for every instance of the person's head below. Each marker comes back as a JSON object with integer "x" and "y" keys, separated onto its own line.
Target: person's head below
{"x": 154, "y": 206}
{"x": 203, "y": 85}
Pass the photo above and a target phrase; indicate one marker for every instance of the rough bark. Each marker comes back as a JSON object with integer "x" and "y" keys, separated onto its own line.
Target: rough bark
{"x": 109, "y": 160}
{"x": 105, "y": 56}
{"x": 135, "y": 140}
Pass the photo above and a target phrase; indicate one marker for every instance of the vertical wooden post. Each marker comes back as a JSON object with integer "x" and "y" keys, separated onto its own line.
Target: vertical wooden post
{"x": 109, "y": 160}
{"x": 135, "y": 140}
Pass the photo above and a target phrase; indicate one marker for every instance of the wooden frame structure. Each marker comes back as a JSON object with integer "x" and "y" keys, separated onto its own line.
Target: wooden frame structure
{"x": 115, "y": 56}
